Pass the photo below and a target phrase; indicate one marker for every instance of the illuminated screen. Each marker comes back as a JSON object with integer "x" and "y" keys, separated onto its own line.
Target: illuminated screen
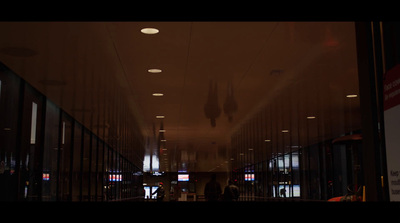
{"x": 46, "y": 176}
{"x": 249, "y": 177}
{"x": 183, "y": 177}
{"x": 115, "y": 177}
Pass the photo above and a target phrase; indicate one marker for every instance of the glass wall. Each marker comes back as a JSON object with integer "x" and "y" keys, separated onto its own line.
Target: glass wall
{"x": 50, "y": 153}
{"x": 66, "y": 158}
{"x": 76, "y": 163}
{"x": 10, "y": 107}
{"x": 303, "y": 141}
{"x": 46, "y": 155}
{"x": 319, "y": 171}
{"x": 31, "y": 144}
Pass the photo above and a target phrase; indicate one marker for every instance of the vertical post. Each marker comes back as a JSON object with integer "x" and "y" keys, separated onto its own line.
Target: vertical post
{"x": 367, "y": 64}
{"x": 59, "y": 145}
{"x": 18, "y": 143}
{"x": 71, "y": 164}
{"x": 81, "y": 163}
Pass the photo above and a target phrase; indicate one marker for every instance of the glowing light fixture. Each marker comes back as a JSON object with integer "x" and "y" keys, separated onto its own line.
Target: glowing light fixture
{"x": 158, "y": 94}
{"x": 311, "y": 117}
{"x": 351, "y": 96}
{"x": 149, "y": 31}
{"x": 154, "y": 71}
{"x": 160, "y": 116}
{"x": 267, "y": 140}
{"x": 285, "y": 131}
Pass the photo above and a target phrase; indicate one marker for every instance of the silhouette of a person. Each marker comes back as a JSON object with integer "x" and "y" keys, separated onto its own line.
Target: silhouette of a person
{"x": 231, "y": 192}
{"x": 230, "y": 104}
{"x": 212, "y": 191}
{"x": 160, "y": 192}
{"x": 211, "y": 108}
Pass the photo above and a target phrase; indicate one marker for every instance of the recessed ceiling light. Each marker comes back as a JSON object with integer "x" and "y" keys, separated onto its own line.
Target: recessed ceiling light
{"x": 267, "y": 140}
{"x": 154, "y": 71}
{"x": 149, "y": 30}
{"x": 285, "y": 131}
{"x": 351, "y": 96}
{"x": 160, "y": 116}
{"x": 310, "y": 117}
{"x": 158, "y": 94}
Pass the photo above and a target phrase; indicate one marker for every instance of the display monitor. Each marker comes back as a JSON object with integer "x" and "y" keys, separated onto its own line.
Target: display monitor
{"x": 183, "y": 177}
{"x": 46, "y": 176}
{"x": 115, "y": 177}
{"x": 249, "y": 177}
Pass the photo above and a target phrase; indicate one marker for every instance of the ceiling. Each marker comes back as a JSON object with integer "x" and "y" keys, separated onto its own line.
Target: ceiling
{"x": 89, "y": 68}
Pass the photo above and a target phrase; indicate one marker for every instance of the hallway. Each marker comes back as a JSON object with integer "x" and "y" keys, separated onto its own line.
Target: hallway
{"x": 105, "y": 111}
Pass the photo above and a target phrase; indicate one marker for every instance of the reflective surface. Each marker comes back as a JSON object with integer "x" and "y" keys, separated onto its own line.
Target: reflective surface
{"x": 46, "y": 155}
{"x": 234, "y": 93}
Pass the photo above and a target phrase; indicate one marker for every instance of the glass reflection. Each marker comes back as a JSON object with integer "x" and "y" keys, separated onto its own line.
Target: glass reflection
{"x": 293, "y": 131}
{"x": 294, "y": 94}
